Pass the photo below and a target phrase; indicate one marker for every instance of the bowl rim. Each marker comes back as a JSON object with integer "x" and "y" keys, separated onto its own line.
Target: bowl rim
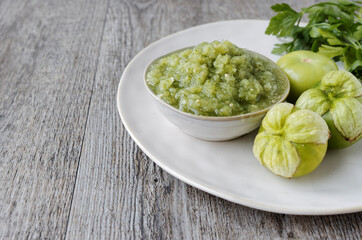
{"x": 218, "y": 118}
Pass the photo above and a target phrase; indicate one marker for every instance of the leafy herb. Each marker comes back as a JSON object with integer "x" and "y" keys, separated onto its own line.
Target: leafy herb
{"x": 334, "y": 30}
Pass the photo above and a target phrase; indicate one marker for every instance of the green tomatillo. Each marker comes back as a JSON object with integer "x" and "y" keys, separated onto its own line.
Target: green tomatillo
{"x": 338, "y": 99}
{"x": 304, "y": 70}
{"x": 291, "y": 142}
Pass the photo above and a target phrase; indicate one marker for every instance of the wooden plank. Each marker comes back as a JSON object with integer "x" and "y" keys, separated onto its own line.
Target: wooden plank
{"x": 48, "y": 59}
{"x": 120, "y": 193}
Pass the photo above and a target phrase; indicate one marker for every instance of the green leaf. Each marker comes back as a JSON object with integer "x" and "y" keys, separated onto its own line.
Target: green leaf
{"x": 348, "y": 3}
{"x": 348, "y": 57}
{"x": 314, "y": 32}
{"x": 281, "y": 7}
{"x": 315, "y": 45}
{"x": 331, "y": 38}
{"x": 330, "y": 51}
{"x": 359, "y": 54}
{"x": 281, "y": 48}
{"x": 358, "y": 33}
{"x": 356, "y": 64}
{"x": 299, "y": 44}
{"x": 333, "y": 20}
{"x": 339, "y": 13}
{"x": 282, "y": 24}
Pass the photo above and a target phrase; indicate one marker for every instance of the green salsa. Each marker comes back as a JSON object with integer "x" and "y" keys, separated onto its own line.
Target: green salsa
{"x": 215, "y": 79}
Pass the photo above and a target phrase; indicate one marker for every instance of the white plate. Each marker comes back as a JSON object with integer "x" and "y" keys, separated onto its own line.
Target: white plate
{"x": 229, "y": 169}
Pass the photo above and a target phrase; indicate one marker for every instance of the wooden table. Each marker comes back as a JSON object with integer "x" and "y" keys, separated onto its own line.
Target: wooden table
{"x": 69, "y": 169}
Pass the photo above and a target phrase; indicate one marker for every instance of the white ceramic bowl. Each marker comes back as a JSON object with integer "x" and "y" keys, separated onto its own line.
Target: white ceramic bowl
{"x": 216, "y": 128}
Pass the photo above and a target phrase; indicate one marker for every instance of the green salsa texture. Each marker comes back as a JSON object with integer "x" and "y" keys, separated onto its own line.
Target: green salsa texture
{"x": 215, "y": 79}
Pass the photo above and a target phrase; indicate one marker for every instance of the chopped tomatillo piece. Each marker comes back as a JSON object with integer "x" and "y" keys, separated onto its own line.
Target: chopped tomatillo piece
{"x": 338, "y": 99}
{"x": 291, "y": 142}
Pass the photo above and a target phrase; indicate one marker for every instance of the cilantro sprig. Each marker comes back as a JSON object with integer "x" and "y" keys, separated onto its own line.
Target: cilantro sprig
{"x": 334, "y": 29}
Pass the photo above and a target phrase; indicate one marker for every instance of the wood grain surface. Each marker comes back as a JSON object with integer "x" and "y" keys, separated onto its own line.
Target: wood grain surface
{"x": 69, "y": 169}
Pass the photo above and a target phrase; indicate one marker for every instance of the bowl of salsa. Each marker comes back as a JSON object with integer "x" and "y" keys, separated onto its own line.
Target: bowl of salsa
{"x": 215, "y": 91}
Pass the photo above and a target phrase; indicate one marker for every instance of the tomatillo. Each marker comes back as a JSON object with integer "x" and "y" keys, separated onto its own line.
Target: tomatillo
{"x": 304, "y": 70}
{"x": 338, "y": 99}
{"x": 291, "y": 142}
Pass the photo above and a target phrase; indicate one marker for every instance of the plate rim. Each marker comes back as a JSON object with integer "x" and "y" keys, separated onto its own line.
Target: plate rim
{"x": 207, "y": 187}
